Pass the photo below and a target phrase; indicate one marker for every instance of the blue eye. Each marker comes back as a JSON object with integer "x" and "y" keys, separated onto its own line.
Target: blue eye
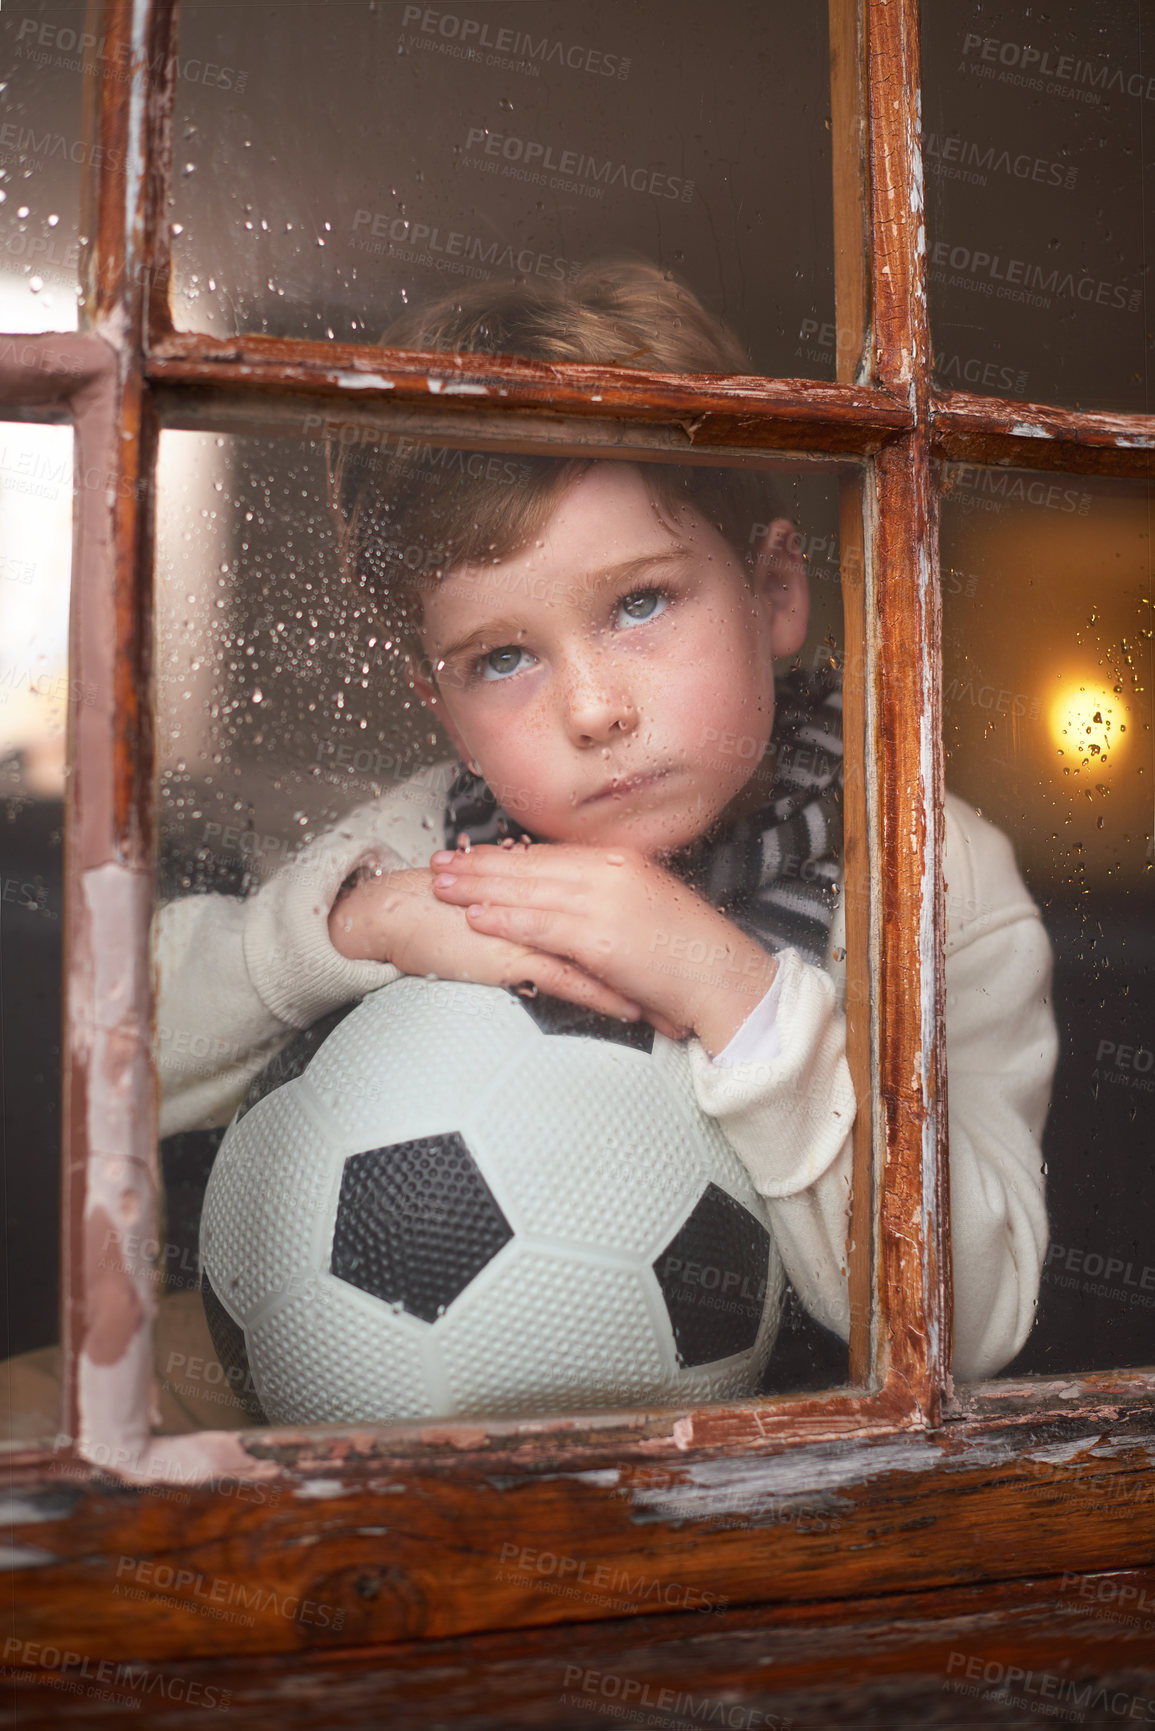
{"x": 500, "y": 663}
{"x": 642, "y": 604}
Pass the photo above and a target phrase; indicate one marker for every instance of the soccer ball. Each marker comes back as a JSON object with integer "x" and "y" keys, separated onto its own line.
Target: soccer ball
{"x": 453, "y": 1201}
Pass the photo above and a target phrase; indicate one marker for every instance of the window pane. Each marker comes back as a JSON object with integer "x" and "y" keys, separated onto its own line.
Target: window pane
{"x": 1046, "y": 583}
{"x": 35, "y": 562}
{"x": 448, "y": 150}
{"x": 1040, "y": 155}
{"x": 540, "y": 1239}
{"x": 44, "y": 151}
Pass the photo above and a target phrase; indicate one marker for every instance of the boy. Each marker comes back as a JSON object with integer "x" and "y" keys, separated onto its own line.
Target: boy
{"x": 583, "y": 630}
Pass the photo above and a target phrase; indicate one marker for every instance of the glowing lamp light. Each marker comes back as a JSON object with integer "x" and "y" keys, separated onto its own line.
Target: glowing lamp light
{"x": 1088, "y": 720}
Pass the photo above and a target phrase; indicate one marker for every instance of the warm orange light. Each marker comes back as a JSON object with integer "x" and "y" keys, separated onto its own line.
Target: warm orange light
{"x": 1088, "y": 723}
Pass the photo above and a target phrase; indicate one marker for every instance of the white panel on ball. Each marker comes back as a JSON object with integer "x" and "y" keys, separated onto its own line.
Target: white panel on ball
{"x": 324, "y": 1357}
{"x": 429, "y": 1044}
{"x": 270, "y": 1196}
{"x": 562, "y": 1321}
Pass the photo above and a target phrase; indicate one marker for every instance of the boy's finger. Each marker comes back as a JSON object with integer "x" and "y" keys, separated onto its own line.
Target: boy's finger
{"x": 564, "y": 863}
{"x": 544, "y": 892}
{"x": 561, "y": 934}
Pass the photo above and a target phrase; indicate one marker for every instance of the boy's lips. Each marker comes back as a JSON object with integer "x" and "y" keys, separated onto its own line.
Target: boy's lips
{"x": 621, "y": 786}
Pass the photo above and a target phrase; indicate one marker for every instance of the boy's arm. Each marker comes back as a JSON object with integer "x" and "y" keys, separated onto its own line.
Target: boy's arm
{"x": 1002, "y": 1045}
{"x": 1001, "y": 1048}
{"x": 788, "y": 1115}
{"x": 236, "y": 978}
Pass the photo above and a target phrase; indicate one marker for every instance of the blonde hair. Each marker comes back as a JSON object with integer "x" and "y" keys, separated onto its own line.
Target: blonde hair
{"x": 409, "y": 513}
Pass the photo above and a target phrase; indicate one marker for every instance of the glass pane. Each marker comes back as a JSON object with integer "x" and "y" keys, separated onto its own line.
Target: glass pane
{"x": 1046, "y": 583}
{"x": 450, "y": 150}
{"x": 617, "y": 690}
{"x": 44, "y": 153}
{"x": 1040, "y": 173}
{"x": 35, "y": 563}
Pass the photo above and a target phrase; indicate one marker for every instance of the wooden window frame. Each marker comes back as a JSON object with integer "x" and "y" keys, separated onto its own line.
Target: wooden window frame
{"x": 905, "y": 1464}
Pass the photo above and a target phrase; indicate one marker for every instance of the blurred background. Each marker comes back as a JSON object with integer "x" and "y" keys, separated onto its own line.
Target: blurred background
{"x": 1047, "y": 716}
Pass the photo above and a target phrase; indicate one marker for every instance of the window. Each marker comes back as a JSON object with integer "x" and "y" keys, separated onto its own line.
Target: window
{"x": 226, "y": 341}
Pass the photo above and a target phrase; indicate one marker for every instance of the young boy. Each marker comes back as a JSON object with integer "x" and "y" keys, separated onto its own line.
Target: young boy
{"x": 586, "y": 632}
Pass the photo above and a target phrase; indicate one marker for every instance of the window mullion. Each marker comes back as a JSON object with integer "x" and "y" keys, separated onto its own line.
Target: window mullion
{"x": 110, "y": 1189}
{"x": 906, "y": 797}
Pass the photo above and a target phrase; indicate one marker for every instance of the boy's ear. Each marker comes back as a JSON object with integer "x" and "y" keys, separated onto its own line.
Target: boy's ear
{"x": 780, "y": 581}
{"x": 422, "y": 684}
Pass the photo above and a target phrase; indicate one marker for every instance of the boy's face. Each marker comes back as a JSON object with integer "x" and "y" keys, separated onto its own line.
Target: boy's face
{"x": 613, "y": 682}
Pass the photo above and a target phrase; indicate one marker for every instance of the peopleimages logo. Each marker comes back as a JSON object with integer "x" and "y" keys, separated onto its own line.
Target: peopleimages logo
{"x": 24, "y": 141}
{"x": 1032, "y": 66}
{"x": 527, "y": 53}
{"x": 454, "y": 251}
{"x": 969, "y": 484}
{"x": 963, "y": 159}
{"x": 1047, "y": 1693}
{"x": 46, "y": 44}
{"x": 1019, "y": 280}
{"x": 529, "y": 160}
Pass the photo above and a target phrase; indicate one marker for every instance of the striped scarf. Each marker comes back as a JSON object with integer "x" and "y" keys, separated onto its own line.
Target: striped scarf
{"x": 776, "y": 872}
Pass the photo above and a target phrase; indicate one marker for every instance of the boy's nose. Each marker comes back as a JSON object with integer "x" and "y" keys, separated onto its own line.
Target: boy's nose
{"x": 598, "y": 708}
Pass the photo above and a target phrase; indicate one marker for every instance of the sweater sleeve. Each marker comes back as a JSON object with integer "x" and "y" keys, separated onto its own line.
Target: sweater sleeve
{"x": 789, "y": 1119}
{"x": 1002, "y": 1046}
{"x": 236, "y": 978}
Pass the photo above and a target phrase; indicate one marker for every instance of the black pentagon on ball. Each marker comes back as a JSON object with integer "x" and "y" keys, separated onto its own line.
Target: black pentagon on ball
{"x": 416, "y": 1222}
{"x": 556, "y": 1016}
{"x": 713, "y": 1276}
{"x": 228, "y": 1339}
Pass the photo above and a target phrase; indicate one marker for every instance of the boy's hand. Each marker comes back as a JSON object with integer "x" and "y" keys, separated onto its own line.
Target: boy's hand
{"x": 396, "y": 918}
{"x": 623, "y": 919}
